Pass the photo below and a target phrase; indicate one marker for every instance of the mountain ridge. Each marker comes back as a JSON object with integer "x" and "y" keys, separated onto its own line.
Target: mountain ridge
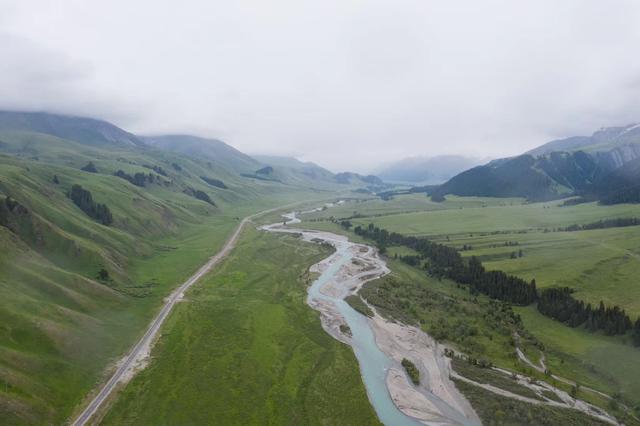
{"x": 578, "y": 165}
{"x": 85, "y": 130}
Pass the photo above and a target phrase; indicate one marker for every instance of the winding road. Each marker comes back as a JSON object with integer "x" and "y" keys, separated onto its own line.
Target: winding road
{"x": 141, "y": 348}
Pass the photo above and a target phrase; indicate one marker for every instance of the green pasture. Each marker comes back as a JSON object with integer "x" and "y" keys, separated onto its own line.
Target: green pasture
{"x": 244, "y": 348}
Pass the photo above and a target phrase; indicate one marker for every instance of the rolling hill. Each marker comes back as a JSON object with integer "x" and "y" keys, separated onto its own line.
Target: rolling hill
{"x": 87, "y": 131}
{"x": 97, "y": 225}
{"x": 308, "y": 169}
{"x": 215, "y": 151}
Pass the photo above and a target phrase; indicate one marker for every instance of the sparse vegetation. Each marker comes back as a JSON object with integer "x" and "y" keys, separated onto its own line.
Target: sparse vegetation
{"x": 359, "y": 305}
{"x": 498, "y": 410}
{"x": 488, "y": 376}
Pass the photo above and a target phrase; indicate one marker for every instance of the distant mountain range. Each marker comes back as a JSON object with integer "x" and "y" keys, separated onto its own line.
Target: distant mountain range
{"x": 87, "y": 131}
{"x": 214, "y": 150}
{"x": 426, "y": 170}
{"x": 217, "y": 154}
{"x": 604, "y": 166}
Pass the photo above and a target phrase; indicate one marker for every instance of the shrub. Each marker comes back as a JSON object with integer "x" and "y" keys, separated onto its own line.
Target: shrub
{"x": 412, "y": 371}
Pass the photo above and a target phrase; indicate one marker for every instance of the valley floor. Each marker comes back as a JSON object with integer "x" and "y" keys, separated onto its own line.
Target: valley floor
{"x": 599, "y": 264}
{"x": 244, "y": 348}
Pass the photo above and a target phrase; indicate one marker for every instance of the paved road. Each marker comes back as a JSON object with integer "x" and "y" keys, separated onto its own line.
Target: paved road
{"x": 154, "y": 327}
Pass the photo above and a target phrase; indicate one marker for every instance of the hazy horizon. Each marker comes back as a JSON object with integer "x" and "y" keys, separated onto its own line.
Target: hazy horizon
{"x": 342, "y": 84}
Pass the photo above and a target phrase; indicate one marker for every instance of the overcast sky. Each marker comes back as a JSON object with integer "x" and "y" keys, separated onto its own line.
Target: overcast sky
{"x": 348, "y": 84}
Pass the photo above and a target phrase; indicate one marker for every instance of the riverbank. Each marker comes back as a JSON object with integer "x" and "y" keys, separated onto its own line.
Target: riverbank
{"x": 435, "y": 400}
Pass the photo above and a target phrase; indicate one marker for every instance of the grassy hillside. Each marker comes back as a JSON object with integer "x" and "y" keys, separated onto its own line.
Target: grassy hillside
{"x": 245, "y": 349}
{"x": 75, "y": 293}
{"x": 62, "y": 325}
{"x": 215, "y": 151}
{"x": 548, "y": 177}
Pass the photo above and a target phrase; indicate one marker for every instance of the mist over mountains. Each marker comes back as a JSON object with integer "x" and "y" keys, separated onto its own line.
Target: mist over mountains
{"x": 426, "y": 170}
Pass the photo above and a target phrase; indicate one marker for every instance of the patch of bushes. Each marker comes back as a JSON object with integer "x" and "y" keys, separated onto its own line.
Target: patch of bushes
{"x": 214, "y": 182}
{"x": 412, "y": 371}
{"x": 200, "y": 195}
{"x": 159, "y": 170}
{"x": 90, "y": 167}
{"x": 358, "y": 304}
{"x": 138, "y": 179}
{"x": 499, "y": 410}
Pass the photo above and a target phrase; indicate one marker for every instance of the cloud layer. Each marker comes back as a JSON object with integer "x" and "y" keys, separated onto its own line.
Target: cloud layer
{"x": 348, "y": 84}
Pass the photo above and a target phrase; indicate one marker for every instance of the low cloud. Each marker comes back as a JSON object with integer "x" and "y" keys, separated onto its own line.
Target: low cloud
{"x": 347, "y": 84}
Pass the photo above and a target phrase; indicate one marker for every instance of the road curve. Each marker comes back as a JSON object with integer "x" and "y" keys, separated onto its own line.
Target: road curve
{"x": 154, "y": 327}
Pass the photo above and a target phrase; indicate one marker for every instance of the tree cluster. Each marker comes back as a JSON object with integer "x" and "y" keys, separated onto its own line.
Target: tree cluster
{"x": 214, "y": 182}
{"x": 559, "y": 304}
{"x": 84, "y": 200}
{"x": 90, "y": 167}
{"x": 159, "y": 170}
{"x": 411, "y": 260}
{"x": 602, "y": 224}
{"x": 346, "y": 224}
{"x": 446, "y": 262}
{"x": 635, "y": 335}
{"x": 200, "y": 195}
{"x": 138, "y": 179}
{"x": 629, "y": 194}
{"x": 10, "y": 206}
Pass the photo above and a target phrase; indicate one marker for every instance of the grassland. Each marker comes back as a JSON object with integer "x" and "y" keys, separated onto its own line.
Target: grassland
{"x": 598, "y": 361}
{"x": 599, "y": 264}
{"x": 497, "y": 216}
{"x": 245, "y": 349}
{"x": 61, "y": 327}
{"x": 495, "y": 378}
{"x": 448, "y": 312}
{"x": 497, "y": 410}
{"x": 405, "y": 204}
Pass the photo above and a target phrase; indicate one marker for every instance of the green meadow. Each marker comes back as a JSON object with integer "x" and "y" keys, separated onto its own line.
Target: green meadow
{"x": 599, "y": 264}
{"x": 244, "y": 348}
{"x": 500, "y": 215}
{"x": 405, "y": 204}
